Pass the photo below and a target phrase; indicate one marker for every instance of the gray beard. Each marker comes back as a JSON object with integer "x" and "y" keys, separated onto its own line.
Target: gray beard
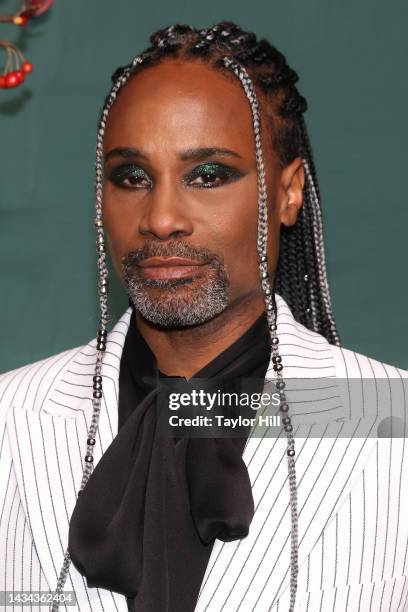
{"x": 179, "y": 302}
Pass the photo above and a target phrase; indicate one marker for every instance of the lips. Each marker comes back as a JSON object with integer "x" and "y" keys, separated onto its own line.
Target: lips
{"x": 168, "y": 262}
{"x": 170, "y": 267}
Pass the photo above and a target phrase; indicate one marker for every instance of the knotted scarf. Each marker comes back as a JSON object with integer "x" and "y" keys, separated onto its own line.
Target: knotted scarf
{"x": 145, "y": 523}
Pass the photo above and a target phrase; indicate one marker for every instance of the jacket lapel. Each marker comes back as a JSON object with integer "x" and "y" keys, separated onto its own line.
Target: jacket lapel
{"x": 253, "y": 573}
{"x": 48, "y": 443}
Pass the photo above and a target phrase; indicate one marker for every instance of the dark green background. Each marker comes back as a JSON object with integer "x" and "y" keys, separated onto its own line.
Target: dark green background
{"x": 352, "y": 59}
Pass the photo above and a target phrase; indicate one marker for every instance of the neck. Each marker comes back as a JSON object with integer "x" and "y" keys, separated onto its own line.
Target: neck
{"x": 186, "y": 351}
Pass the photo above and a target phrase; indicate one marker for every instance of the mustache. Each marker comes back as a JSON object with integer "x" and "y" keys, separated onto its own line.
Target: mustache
{"x": 173, "y": 248}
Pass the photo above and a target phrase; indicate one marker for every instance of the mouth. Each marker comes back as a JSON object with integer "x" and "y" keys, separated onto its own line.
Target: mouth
{"x": 161, "y": 268}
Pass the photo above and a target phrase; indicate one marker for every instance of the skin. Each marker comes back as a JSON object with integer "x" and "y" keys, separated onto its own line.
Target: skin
{"x": 172, "y": 107}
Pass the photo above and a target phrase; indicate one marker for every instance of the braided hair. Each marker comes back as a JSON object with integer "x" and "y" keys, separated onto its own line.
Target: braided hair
{"x": 300, "y": 277}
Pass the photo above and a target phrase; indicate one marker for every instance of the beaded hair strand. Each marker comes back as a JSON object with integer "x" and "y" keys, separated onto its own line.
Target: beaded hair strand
{"x": 271, "y": 314}
{"x": 97, "y": 393}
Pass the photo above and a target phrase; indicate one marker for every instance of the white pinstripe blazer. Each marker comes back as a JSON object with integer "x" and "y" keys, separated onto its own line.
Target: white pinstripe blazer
{"x": 352, "y": 492}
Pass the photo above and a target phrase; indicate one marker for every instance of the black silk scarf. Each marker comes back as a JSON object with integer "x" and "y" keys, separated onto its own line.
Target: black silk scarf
{"x": 145, "y": 524}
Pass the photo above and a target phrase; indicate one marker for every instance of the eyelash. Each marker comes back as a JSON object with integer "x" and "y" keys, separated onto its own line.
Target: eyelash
{"x": 126, "y": 171}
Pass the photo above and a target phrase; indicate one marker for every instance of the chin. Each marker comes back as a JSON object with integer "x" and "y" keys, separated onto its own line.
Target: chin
{"x": 178, "y": 310}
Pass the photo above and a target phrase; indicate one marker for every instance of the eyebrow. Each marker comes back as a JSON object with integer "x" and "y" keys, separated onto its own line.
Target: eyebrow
{"x": 185, "y": 155}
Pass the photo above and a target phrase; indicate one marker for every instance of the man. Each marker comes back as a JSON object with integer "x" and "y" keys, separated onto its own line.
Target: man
{"x": 207, "y": 191}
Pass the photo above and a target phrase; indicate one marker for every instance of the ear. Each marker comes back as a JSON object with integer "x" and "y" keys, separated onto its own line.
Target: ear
{"x": 291, "y": 191}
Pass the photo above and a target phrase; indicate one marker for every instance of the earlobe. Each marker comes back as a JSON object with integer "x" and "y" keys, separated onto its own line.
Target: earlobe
{"x": 293, "y": 180}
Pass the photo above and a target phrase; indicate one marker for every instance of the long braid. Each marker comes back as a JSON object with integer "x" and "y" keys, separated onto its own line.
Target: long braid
{"x": 122, "y": 77}
{"x": 301, "y": 276}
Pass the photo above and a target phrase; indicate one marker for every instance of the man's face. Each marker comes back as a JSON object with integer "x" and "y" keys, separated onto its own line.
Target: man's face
{"x": 165, "y": 196}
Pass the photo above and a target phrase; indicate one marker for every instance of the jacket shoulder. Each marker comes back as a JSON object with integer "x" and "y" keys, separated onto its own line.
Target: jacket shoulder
{"x": 29, "y": 385}
{"x": 351, "y": 364}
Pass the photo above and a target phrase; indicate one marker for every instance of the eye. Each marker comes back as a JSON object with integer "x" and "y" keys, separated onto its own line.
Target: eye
{"x": 130, "y": 176}
{"x": 210, "y": 175}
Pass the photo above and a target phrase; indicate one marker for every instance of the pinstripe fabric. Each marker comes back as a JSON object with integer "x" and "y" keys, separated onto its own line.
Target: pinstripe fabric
{"x": 352, "y": 492}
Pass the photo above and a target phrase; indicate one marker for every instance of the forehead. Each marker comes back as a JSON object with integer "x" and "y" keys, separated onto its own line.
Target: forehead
{"x": 181, "y": 101}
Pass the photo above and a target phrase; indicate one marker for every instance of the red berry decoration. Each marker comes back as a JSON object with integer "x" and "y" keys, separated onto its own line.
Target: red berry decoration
{"x": 16, "y": 67}
{"x": 12, "y": 79}
{"x": 20, "y": 76}
{"x": 20, "y": 20}
{"x": 35, "y": 8}
{"x": 27, "y": 67}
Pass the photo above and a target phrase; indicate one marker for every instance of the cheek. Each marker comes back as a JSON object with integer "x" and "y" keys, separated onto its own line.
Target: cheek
{"x": 237, "y": 235}
{"x": 120, "y": 225}
{"x": 235, "y": 231}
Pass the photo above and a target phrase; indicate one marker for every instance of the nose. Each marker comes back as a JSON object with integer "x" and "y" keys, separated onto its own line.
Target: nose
{"x": 166, "y": 212}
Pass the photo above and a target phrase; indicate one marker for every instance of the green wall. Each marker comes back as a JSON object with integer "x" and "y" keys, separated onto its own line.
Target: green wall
{"x": 351, "y": 56}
